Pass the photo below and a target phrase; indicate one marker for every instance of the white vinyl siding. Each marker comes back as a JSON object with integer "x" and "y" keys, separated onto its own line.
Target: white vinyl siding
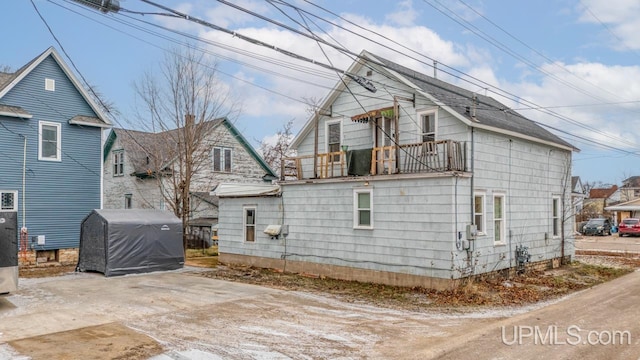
{"x": 49, "y": 140}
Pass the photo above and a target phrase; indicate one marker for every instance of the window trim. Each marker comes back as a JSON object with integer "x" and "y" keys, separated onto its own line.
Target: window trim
{"x": 58, "y": 127}
{"x": 244, "y": 223}
{"x": 555, "y": 207}
{"x": 326, "y": 136}
{"x": 49, "y": 84}
{"x": 223, "y": 163}
{"x": 420, "y": 133}
{"x": 116, "y": 154}
{"x": 503, "y": 219}
{"x": 356, "y": 209}
{"x": 15, "y": 200}
{"x": 482, "y": 227}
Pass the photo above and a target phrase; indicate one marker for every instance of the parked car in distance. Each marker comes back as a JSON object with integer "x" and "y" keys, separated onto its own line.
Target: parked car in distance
{"x": 629, "y": 226}
{"x": 600, "y": 226}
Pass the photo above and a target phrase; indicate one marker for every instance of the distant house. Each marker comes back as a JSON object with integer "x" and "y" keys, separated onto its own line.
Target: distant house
{"x": 599, "y": 198}
{"x": 138, "y": 166}
{"x": 577, "y": 199}
{"x": 50, "y": 144}
{"x": 630, "y": 189}
{"x": 405, "y": 179}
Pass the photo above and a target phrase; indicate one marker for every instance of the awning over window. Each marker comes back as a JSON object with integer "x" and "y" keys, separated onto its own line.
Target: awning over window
{"x": 373, "y": 114}
{"x": 246, "y": 190}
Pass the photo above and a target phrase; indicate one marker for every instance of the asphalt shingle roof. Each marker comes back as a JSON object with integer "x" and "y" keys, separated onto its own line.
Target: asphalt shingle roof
{"x": 488, "y": 112}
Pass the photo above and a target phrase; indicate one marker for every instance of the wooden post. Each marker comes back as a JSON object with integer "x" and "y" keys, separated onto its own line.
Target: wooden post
{"x": 396, "y": 140}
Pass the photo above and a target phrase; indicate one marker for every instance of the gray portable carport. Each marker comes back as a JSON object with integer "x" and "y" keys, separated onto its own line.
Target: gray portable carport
{"x": 119, "y": 242}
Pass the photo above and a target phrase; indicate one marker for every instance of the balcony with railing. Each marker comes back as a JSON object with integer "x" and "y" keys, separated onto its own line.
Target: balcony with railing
{"x": 425, "y": 157}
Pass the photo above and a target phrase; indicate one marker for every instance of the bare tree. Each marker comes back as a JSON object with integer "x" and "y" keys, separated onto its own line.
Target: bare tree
{"x": 274, "y": 154}
{"x": 184, "y": 103}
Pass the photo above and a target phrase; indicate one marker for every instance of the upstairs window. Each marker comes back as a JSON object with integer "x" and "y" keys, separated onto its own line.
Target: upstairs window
{"x": 8, "y": 200}
{"x": 334, "y": 136}
{"x": 427, "y": 123}
{"x": 222, "y": 159}
{"x": 50, "y": 84}
{"x": 118, "y": 163}
{"x": 49, "y": 141}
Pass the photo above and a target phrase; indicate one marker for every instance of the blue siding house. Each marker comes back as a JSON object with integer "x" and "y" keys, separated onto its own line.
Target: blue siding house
{"x": 51, "y": 153}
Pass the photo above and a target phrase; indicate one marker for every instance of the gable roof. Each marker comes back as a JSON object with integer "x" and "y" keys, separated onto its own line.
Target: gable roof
{"x": 602, "y": 193}
{"x": 491, "y": 115}
{"x": 9, "y": 81}
{"x": 139, "y": 145}
{"x": 631, "y": 182}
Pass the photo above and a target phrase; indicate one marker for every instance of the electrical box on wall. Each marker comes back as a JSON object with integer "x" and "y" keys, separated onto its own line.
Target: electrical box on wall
{"x": 472, "y": 232}
{"x": 40, "y": 239}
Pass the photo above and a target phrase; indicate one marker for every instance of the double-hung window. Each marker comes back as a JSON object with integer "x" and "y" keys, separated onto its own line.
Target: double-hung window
{"x": 555, "y": 216}
{"x": 49, "y": 140}
{"x": 427, "y": 123}
{"x": 118, "y": 163}
{"x": 222, "y": 159}
{"x": 478, "y": 212}
{"x": 363, "y": 208}
{"x": 334, "y": 137}
{"x": 498, "y": 219}
{"x": 249, "y": 223}
{"x": 8, "y": 200}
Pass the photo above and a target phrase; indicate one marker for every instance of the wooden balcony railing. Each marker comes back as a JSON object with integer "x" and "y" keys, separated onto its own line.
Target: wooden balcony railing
{"x": 433, "y": 156}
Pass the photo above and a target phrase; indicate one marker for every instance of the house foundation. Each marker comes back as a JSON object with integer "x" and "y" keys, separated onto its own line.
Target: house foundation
{"x": 378, "y": 277}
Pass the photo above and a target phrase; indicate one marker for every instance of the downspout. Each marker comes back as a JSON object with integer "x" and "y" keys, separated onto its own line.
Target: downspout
{"x": 24, "y": 184}
{"x": 315, "y": 146}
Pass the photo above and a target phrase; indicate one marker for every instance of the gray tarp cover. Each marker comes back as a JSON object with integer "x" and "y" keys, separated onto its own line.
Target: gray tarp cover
{"x": 119, "y": 242}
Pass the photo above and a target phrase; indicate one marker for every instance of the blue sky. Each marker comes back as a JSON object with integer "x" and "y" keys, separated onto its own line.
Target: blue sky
{"x": 577, "y": 59}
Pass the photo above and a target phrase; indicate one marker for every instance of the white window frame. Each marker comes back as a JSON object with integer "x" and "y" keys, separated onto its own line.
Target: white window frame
{"x": 357, "y": 209}
{"x": 49, "y": 84}
{"x": 421, "y": 134}
{"x": 326, "y": 137}
{"x": 555, "y": 216}
{"x": 58, "y": 127}
{"x": 223, "y": 163}
{"x": 245, "y": 225}
{"x": 15, "y": 200}
{"x": 482, "y": 225}
{"x": 118, "y": 162}
{"x": 501, "y": 229}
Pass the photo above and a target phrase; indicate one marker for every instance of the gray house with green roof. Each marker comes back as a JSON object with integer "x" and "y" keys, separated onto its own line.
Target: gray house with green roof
{"x": 138, "y": 168}
{"x": 405, "y": 179}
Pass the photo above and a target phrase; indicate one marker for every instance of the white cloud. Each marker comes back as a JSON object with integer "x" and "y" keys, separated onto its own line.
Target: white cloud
{"x": 620, "y": 20}
{"x": 405, "y": 15}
